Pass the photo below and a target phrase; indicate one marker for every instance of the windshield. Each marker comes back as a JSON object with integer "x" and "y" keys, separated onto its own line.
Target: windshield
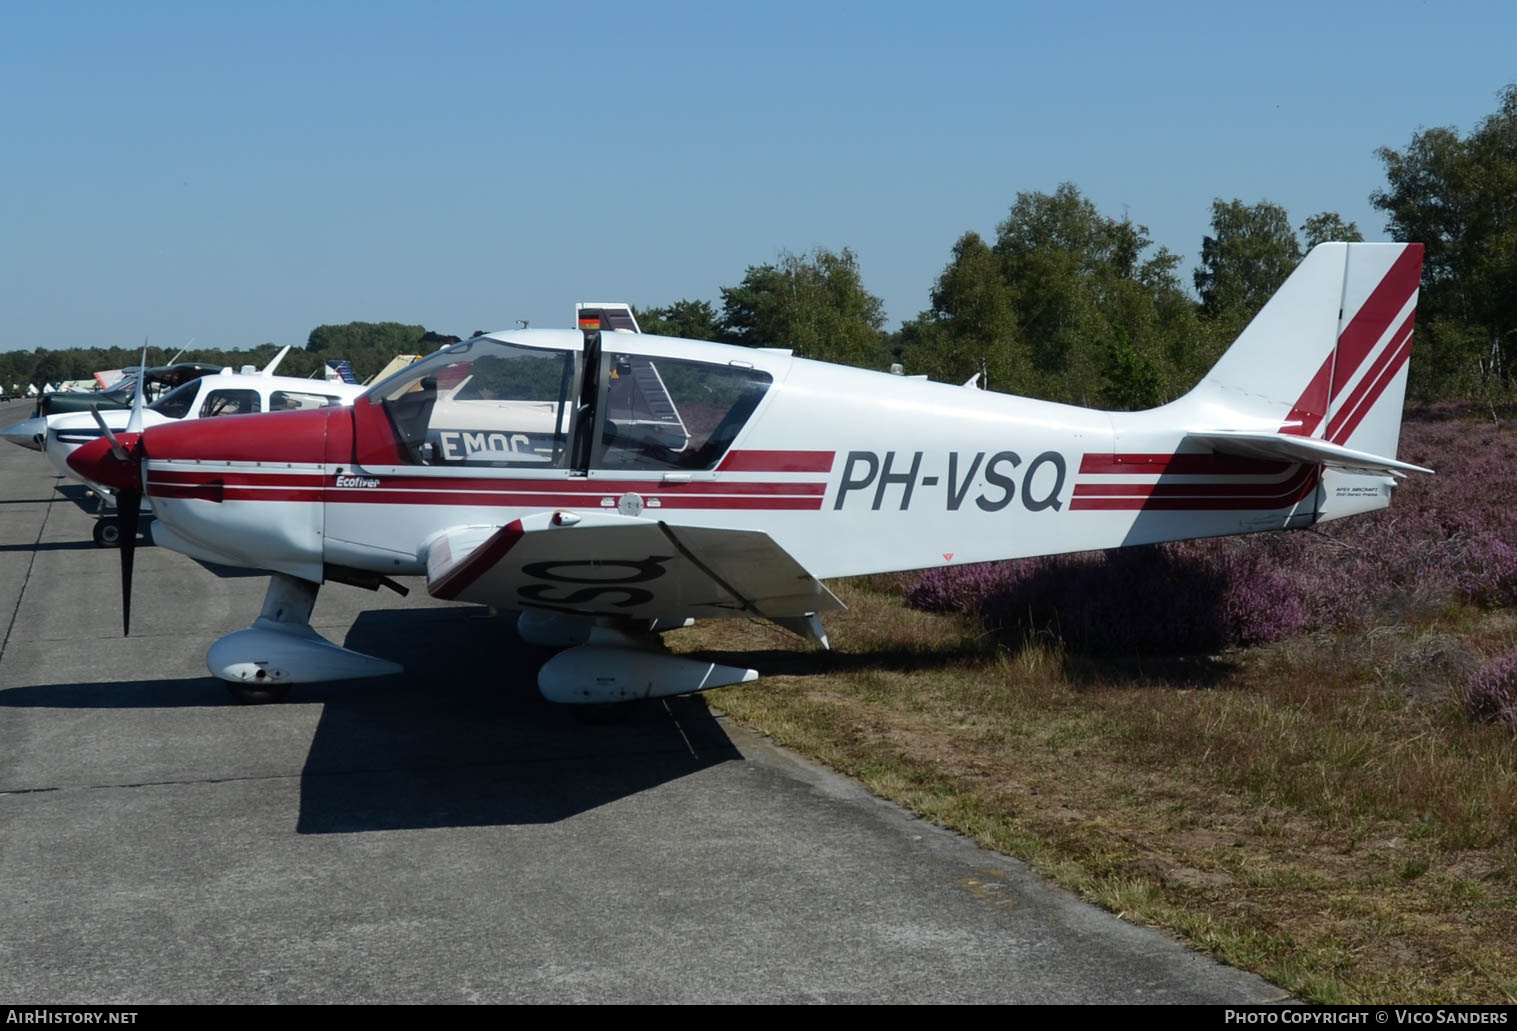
{"x": 484, "y": 402}
{"x": 177, "y": 402}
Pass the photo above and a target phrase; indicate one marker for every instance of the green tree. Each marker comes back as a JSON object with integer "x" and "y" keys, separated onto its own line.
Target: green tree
{"x": 48, "y": 368}
{"x": 1080, "y": 279}
{"x": 692, "y": 320}
{"x": 1329, "y": 227}
{"x": 1251, "y": 252}
{"x": 369, "y": 346}
{"x": 1067, "y": 305}
{"x": 815, "y": 304}
{"x": 361, "y": 335}
{"x": 1132, "y": 378}
{"x": 1457, "y": 195}
{"x": 972, "y": 325}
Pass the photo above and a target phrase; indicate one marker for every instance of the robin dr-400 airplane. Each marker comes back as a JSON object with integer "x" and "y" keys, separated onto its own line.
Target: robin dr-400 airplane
{"x": 610, "y": 485}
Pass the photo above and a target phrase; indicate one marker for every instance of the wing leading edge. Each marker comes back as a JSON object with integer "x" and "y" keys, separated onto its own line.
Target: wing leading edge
{"x": 612, "y": 565}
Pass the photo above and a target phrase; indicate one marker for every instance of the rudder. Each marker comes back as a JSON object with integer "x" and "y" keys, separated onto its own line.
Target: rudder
{"x": 1326, "y": 356}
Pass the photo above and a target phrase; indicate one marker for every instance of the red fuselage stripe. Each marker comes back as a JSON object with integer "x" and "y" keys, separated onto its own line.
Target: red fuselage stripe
{"x": 1291, "y": 493}
{"x": 1186, "y": 490}
{"x": 432, "y": 485}
{"x": 778, "y": 462}
{"x": 192, "y": 476}
{"x": 378, "y": 496}
{"x": 1179, "y": 465}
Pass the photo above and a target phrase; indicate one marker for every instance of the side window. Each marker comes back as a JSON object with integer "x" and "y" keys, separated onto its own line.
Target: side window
{"x": 229, "y": 402}
{"x": 295, "y": 400}
{"x": 666, "y": 413}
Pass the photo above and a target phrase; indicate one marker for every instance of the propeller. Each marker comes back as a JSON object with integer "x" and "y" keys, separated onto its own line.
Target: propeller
{"x": 119, "y": 465}
{"x": 128, "y": 514}
{"x": 129, "y": 505}
{"x": 116, "y": 448}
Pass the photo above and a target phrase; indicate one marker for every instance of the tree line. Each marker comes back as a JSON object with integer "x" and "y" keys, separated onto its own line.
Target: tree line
{"x": 1071, "y": 305}
{"x": 367, "y": 346}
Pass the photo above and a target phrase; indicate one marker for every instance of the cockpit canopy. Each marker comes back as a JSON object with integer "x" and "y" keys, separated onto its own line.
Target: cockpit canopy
{"x": 500, "y": 403}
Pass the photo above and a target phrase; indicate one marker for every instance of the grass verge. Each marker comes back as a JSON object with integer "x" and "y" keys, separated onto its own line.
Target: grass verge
{"x": 1318, "y": 811}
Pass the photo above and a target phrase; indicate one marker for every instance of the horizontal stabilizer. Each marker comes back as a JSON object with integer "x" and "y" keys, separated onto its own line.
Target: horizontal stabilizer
{"x": 613, "y": 565}
{"x": 1285, "y": 447}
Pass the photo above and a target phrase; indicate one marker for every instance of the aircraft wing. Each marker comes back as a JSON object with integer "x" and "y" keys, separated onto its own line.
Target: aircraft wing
{"x": 1309, "y": 450}
{"x": 613, "y": 565}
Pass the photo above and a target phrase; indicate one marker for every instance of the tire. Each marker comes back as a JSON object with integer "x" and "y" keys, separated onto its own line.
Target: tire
{"x": 107, "y": 533}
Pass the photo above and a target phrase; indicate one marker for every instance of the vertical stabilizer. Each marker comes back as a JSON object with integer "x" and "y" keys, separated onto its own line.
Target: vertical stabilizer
{"x": 1326, "y": 356}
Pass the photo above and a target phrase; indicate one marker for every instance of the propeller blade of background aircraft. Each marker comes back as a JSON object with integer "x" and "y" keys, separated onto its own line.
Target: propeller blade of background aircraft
{"x": 134, "y": 424}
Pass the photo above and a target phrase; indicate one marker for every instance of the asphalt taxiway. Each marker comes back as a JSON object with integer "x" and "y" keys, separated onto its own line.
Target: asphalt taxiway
{"x": 448, "y": 836}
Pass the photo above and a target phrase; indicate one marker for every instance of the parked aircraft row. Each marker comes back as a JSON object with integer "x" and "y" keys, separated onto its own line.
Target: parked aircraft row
{"x": 187, "y": 391}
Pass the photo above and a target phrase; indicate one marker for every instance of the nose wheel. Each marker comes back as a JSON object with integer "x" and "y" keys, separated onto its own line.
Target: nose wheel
{"x": 107, "y": 532}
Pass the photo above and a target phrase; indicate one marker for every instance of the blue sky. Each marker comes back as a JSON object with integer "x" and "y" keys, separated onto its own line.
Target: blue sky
{"x": 242, "y": 174}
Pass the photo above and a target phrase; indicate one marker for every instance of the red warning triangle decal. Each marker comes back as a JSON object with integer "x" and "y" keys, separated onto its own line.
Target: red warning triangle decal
{"x": 947, "y": 556}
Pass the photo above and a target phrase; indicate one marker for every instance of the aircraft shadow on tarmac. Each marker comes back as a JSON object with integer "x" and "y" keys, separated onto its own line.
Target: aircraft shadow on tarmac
{"x": 51, "y": 546}
{"x": 462, "y": 738}
{"x": 118, "y": 694}
{"x": 80, "y": 495}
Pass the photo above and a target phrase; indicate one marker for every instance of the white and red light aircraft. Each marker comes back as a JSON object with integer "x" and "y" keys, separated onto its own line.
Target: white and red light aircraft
{"x": 610, "y": 485}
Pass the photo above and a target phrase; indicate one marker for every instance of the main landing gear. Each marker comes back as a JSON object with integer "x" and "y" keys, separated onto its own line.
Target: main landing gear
{"x": 280, "y": 649}
{"x": 606, "y": 663}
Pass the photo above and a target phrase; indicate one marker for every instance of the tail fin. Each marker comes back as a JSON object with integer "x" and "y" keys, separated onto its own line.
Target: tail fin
{"x": 1326, "y": 356}
{"x": 268, "y": 370}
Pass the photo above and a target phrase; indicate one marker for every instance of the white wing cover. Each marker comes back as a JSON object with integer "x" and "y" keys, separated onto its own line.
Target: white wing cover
{"x": 612, "y": 565}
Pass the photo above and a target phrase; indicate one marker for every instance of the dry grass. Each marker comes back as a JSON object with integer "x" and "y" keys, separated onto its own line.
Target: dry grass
{"x": 1318, "y": 812}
